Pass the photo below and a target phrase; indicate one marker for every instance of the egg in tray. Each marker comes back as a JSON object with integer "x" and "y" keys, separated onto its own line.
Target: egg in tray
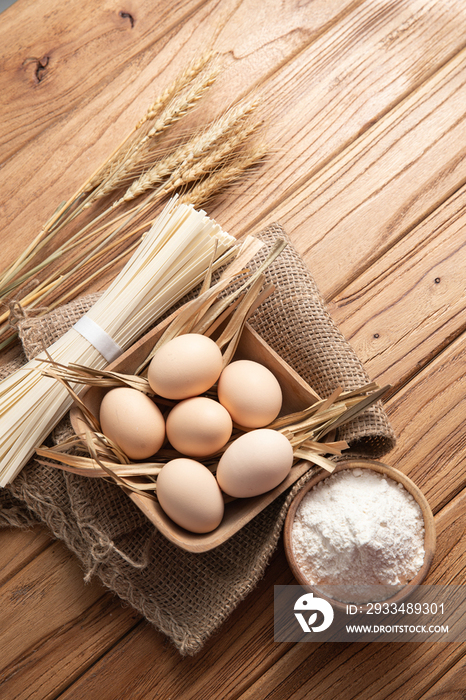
{"x": 209, "y": 425}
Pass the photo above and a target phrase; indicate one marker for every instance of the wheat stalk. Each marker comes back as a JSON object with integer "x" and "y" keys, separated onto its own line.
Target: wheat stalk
{"x": 190, "y": 73}
{"x": 114, "y": 161}
{"x": 216, "y": 156}
{"x": 179, "y": 84}
{"x": 198, "y": 195}
{"x": 217, "y": 135}
{"x": 85, "y": 256}
{"x": 189, "y": 172}
{"x": 76, "y": 266}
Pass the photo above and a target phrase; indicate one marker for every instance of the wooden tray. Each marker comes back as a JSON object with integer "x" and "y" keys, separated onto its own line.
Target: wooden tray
{"x": 297, "y": 394}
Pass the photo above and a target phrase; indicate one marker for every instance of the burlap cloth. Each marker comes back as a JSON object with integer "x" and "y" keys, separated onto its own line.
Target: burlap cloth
{"x": 187, "y": 596}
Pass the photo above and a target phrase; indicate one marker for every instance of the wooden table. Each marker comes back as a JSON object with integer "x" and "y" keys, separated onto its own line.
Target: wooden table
{"x": 365, "y": 105}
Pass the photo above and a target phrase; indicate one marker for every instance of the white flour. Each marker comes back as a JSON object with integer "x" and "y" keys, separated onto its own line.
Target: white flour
{"x": 358, "y": 528}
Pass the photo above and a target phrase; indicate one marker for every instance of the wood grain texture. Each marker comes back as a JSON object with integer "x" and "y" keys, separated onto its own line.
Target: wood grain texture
{"x": 55, "y": 63}
{"x": 19, "y": 547}
{"x": 250, "y": 627}
{"x": 314, "y": 109}
{"x": 380, "y": 186}
{"x": 422, "y": 278}
{"x": 231, "y": 660}
{"x": 120, "y": 103}
{"x": 428, "y": 418}
{"x": 48, "y": 614}
{"x": 451, "y": 686}
{"x": 243, "y": 661}
{"x": 117, "y": 88}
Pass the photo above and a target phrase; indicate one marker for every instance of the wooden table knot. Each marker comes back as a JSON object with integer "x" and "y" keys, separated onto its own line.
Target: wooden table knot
{"x": 127, "y": 15}
{"x": 40, "y": 66}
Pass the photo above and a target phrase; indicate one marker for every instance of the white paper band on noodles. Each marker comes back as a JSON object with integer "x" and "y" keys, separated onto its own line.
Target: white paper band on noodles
{"x": 97, "y": 337}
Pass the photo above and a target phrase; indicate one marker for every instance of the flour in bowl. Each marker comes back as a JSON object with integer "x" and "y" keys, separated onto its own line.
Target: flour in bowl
{"x": 358, "y": 528}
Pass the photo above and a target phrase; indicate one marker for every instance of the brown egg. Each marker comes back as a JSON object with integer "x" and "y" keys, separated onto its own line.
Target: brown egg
{"x": 133, "y": 421}
{"x": 199, "y": 426}
{"x": 185, "y": 366}
{"x": 250, "y": 393}
{"x": 254, "y": 463}
{"x": 189, "y": 494}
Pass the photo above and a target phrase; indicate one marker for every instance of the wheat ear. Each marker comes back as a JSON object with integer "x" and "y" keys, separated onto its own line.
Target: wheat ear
{"x": 189, "y": 172}
{"x": 179, "y": 84}
{"x": 124, "y": 167}
{"x": 198, "y": 195}
{"x": 229, "y": 128}
{"x": 162, "y": 101}
{"x": 221, "y": 178}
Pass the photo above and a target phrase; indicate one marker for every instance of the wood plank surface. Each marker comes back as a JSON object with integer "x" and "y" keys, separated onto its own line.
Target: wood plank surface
{"x": 451, "y": 686}
{"x": 364, "y": 105}
{"x": 314, "y": 111}
{"x": 437, "y": 477}
{"x": 47, "y": 613}
{"x": 19, "y": 547}
{"x": 375, "y": 671}
{"x": 230, "y": 661}
{"x": 244, "y": 653}
{"x": 283, "y": 97}
{"x": 430, "y": 435}
{"x": 422, "y": 276}
{"x": 381, "y": 185}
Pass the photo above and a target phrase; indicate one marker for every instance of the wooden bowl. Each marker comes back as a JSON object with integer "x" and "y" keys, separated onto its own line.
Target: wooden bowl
{"x": 392, "y": 473}
{"x": 297, "y": 395}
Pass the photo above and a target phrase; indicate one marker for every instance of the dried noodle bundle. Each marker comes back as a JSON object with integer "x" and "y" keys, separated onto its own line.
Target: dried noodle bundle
{"x": 171, "y": 259}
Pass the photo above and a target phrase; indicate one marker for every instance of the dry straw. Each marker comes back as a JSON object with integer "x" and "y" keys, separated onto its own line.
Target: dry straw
{"x": 129, "y": 189}
{"x": 171, "y": 259}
